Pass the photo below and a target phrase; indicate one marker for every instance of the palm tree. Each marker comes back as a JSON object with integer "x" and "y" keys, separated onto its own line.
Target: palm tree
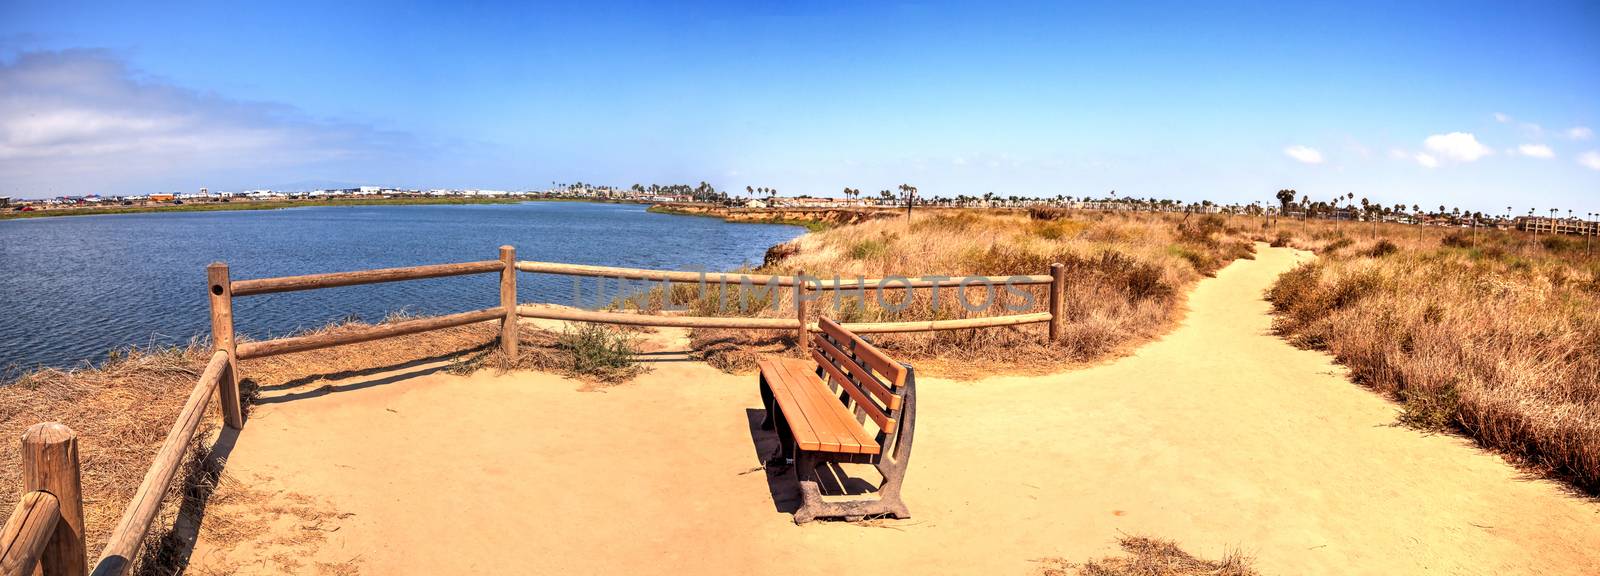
{"x": 910, "y": 193}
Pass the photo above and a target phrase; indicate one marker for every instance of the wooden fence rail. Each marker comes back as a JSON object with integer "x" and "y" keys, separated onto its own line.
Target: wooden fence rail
{"x": 739, "y": 323}
{"x": 335, "y": 279}
{"x": 123, "y": 545}
{"x": 811, "y": 283}
{"x": 27, "y": 532}
{"x": 249, "y": 350}
{"x": 46, "y": 527}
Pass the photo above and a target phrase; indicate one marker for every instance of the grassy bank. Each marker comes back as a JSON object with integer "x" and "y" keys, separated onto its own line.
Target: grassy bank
{"x": 810, "y": 224}
{"x": 1496, "y": 336}
{"x": 1128, "y": 274}
{"x": 261, "y": 205}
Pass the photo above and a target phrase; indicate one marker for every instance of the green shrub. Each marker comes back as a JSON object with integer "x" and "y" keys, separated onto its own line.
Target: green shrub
{"x": 1559, "y": 244}
{"x": 1283, "y": 239}
{"x": 1383, "y": 248}
{"x": 599, "y": 352}
{"x": 1430, "y": 408}
{"x": 1456, "y": 240}
{"x": 871, "y": 248}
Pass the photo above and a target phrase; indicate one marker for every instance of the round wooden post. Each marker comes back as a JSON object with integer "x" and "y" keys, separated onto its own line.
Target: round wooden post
{"x": 508, "y": 300}
{"x": 221, "y": 291}
{"x": 802, "y": 336}
{"x": 1058, "y": 290}
{"x": 50, "y": 464}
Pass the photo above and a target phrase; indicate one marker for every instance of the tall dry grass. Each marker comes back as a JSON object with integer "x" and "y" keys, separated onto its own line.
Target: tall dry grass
{"x": 1494, "y": 334}
{"x": 1126, "y": 275}
{"x": 1146, "y": 556}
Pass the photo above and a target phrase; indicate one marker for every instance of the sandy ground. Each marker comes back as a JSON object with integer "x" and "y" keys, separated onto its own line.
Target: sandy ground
{"x": 1219, "y": 436}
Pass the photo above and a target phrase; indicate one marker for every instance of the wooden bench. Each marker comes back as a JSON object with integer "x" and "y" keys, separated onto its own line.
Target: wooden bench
{"x": 850, "y": 403}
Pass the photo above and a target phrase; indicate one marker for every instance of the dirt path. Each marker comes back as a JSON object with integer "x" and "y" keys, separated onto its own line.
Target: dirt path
{"x": 1218, "y": 436}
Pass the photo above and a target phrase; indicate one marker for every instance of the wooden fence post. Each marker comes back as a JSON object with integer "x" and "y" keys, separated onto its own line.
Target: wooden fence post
{"x": 508, "y": 300}
{"x": 221, "y": 290}
{"x": 50, "y": 464}
{"x": 803, "y": 336}
{"x": 1058, "y": 288}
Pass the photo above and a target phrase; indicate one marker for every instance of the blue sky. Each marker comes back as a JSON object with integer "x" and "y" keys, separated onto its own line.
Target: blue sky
{"x": 1473, "y": 105}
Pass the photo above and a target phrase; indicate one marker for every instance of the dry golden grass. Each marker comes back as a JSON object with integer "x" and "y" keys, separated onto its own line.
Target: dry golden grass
{"x": 1146, "y": 556}
{"x": 123, "y": 408}
{"x": 1126, "y": 275}
{"x": 1496, "y": 336}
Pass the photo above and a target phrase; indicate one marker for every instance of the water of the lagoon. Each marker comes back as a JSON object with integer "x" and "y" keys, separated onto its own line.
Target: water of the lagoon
{"x": 74, "y": 288}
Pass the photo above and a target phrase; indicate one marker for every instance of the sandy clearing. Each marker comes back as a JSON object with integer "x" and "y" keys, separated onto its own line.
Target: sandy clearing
{"x": 1218, "y": 436}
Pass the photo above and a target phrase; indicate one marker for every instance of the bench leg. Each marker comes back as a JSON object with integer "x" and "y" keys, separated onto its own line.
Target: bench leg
{"x": 774, "y": 420}
{"x": 892, "y": 467}
{"x": 769, "y": 404}
{"x": 885, "y": 503}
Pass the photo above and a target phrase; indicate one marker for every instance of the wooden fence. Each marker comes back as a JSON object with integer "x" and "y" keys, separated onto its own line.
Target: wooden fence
{"x": 45, "y": 529}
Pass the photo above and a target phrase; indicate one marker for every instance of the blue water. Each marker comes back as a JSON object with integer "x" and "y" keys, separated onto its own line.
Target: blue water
{"x": 74, "y": 288}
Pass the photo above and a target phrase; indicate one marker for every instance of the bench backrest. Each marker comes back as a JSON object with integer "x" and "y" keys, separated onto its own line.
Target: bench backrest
{"x": 873, "y": 383}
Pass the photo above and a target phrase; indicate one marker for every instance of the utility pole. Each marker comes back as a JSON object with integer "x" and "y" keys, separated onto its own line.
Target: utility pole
{"x": 1589, "y": 237}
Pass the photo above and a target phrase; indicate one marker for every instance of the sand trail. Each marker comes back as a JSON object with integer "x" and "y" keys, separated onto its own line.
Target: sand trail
{"x": 1219, "y": 436}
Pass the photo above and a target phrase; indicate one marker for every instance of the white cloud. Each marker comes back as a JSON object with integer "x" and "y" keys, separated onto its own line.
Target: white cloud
{"x": 1502, "y": 118}
{"x": 1458, "y": 146}
{"x": 1580, "y": 133}
{"x": 1536, "y": 151}
{"x": 82, "y": 121}
{"x": 1590, "y": 159}
{"x": 1427, "y": 160}
{"x": 1399, "y": 154}
{"x": 1304, "y": 154}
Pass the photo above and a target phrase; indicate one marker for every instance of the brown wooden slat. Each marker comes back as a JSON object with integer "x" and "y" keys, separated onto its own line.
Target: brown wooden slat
{"x": 820, "y": 422}
{"x": 877, "y": 388}
{"x": 877, "y": 415}
{"x": 868, "y": 353}
{"x": 823, "y": 421}
{"x": 853, "y": 439}
{"x": 813, "y": 427}
{"x": 780, "y": 382}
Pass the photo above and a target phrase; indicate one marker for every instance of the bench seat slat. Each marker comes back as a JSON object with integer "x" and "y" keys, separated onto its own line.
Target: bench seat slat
{"x": 819, "y": 422}
{"x": 834, "y": 419}
{"x": 823, "y": 424}
{"x": 784, "y": 394}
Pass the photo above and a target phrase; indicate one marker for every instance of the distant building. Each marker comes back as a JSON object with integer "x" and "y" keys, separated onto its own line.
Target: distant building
{"x": 5, "y": 200}
{"x": 1556, "y": 225}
